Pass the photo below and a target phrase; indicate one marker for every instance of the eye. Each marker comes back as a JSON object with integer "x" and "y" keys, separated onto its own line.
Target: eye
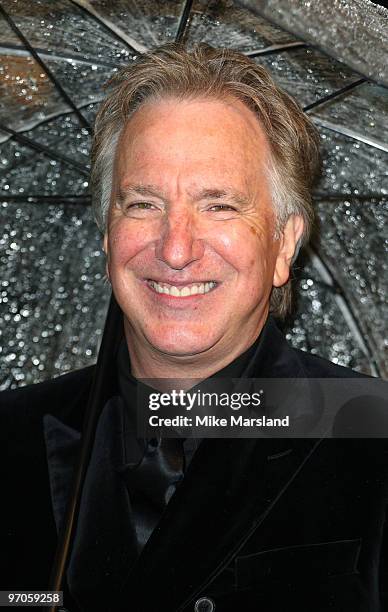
{"x": 139, "y": 206}
{"x": 222, "y": 207}
{"x": 138, "y": 209}
{"x": 222, "y": 212}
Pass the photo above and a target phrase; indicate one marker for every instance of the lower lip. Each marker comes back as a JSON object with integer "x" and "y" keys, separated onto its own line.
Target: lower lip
{"x": 175, "y": 299}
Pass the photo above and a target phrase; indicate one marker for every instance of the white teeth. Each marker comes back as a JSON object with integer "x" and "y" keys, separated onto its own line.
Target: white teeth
{"x": 183, "y": 291}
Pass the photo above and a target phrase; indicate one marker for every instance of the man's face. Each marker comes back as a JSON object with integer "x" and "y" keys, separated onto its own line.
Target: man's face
{"x": 190, "y": 248}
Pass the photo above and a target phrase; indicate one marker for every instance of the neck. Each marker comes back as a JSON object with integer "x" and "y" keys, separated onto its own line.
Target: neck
{"x": 148, "y": 362}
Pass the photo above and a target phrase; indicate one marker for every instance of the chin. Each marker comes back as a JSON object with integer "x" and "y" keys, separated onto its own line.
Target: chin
{"x": 181, "y": 343}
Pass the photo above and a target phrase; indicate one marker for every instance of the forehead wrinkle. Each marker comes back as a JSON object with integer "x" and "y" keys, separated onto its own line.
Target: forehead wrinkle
{"x": 139, "y": 189}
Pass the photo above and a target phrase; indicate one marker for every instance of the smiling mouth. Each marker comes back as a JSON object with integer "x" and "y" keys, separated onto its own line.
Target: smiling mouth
{"x": 185, "y": 290}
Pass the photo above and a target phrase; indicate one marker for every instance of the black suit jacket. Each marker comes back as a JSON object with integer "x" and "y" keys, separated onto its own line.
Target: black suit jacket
{"x": 272, "y": 524}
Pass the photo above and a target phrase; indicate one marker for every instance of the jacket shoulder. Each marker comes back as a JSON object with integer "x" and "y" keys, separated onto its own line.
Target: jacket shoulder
{"x": 318, "y": 367}
{"x": 62, "y": 397}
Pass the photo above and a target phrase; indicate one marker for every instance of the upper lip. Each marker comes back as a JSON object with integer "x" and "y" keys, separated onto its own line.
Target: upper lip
{"x": 180, "y": 283}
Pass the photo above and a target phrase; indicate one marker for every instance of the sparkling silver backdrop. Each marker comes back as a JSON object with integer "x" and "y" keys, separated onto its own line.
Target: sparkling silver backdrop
{"x": 53, "y": 292}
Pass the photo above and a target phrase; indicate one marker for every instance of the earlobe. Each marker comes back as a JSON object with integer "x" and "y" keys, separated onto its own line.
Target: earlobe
{"x": 291, "y": 234}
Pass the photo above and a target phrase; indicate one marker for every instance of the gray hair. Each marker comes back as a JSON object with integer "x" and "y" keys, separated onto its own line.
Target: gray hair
{"x": 173, "y": 71}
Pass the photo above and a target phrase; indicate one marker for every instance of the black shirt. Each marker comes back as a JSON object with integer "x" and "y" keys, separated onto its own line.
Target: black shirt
{"x": 157, "y": 465}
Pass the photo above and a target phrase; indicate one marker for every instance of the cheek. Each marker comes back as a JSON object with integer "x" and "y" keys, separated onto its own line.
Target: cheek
{"x": 125, "y": 242}
{"x": 236, "y": 244}
{"x": 247, "y": 249}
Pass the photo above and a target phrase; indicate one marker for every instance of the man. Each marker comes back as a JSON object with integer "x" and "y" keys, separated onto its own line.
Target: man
{"x": 201, "y": 180}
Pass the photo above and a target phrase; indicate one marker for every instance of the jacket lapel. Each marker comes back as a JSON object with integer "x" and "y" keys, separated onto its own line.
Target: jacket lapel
{"x": 62, "y": 446}
{"x": 104, "y": 545}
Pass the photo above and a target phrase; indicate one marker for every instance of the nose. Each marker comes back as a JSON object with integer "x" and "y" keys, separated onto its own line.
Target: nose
{"x": 179, "y": 244}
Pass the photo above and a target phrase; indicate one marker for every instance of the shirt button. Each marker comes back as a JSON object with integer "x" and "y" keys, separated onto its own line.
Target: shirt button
{"x": 204, "y": 604}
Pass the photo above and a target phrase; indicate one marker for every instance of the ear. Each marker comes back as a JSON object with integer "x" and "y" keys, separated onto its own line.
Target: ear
{"x": 105, "y": 249}
{"x": 291, "y": 233}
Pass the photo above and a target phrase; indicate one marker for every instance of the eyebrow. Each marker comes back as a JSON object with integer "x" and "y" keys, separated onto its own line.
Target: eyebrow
{"x": 204, "y": 194}
{"x": 218, "y": 194}
{"x": 146, "y": 190}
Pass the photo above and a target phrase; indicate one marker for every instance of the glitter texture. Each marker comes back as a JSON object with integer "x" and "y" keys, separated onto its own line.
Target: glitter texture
{"x": 326, "y": 24}
{"x": 53, "y": 290}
